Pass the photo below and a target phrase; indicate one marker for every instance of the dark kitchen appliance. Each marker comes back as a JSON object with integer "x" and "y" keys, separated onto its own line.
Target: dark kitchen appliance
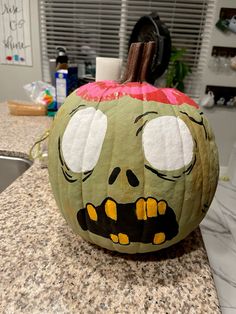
{"x": 151, "y": 28}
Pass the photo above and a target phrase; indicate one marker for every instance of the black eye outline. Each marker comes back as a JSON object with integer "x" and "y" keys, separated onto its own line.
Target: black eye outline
{"x": 172, "y": 178}
{"x": 158, "y": 173}
{"x": 75, "y": 110}
{"x": 66, "y": 175}
{"x": 141, "y": 127}
{"x": 65, "y": 170}
{"x": 88, "y": 174}
{"x": 197, "y": 122}
{"x": 140, "y": 117}
{"x": 63, "y": 164}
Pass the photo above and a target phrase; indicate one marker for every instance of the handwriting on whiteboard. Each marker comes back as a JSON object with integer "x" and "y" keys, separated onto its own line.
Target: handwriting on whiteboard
{"x": 15, "y": 37}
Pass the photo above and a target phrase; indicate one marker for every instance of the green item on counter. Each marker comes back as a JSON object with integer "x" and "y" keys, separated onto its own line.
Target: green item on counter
{"x": 133, "y": 168}
{"x": 52, "y": 109}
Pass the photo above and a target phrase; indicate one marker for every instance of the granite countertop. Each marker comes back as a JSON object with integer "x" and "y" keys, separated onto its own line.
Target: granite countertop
{"x": 45, "y": 268}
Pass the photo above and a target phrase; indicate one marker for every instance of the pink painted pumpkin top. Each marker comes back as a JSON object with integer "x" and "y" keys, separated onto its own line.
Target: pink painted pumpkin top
{"x": 110, "y": 90}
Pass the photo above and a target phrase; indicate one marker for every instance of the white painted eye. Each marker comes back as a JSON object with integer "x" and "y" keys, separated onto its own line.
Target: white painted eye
{"x": 167, "y": 143}
{"x": 83, "y": 138}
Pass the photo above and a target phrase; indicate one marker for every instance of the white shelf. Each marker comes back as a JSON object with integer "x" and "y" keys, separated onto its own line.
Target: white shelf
{"x": 221, "y": 79}
{"x": 220, "y": 39}
{"x": 223, "y": 39}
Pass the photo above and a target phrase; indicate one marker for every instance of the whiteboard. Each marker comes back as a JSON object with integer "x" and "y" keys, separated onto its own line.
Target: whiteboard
{"x": 15, "y": 36}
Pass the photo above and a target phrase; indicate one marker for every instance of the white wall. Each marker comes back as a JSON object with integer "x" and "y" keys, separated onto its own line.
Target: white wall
{"x": 223, "y": 120}
{"x": 14, "y": 77}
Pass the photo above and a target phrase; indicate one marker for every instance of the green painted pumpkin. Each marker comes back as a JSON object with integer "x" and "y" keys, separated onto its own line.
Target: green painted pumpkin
{"x": 133, "y": 167}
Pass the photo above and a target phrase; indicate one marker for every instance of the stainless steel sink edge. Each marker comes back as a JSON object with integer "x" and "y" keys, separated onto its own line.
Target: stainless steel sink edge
{"x": 11, "y": 168}
{"x": 16, "y": 158}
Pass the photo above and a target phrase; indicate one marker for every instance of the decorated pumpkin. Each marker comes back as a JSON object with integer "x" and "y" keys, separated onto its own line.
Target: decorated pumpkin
{"x": 133, "y": 167}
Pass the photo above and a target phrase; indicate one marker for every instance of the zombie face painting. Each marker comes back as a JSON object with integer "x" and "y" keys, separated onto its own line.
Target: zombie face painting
{"x": 133, "y": 167}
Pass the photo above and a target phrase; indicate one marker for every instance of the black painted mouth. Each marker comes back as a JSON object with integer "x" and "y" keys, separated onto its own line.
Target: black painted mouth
{"x": 144, "y": 221}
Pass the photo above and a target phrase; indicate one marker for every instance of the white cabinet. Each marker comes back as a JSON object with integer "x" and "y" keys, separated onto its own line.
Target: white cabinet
{"x": 220, "y": 39}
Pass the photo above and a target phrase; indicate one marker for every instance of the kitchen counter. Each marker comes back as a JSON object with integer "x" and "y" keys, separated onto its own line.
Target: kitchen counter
{"x": 45, "y": 268}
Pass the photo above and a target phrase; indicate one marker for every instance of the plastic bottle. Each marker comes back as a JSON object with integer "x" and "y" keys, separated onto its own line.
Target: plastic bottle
{"x": 62, "y": 59}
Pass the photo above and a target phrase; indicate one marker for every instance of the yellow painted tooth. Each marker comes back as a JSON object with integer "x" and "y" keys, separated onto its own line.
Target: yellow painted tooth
{"x": 111, "y": 209}
{"x": 159, "y": 238}
{"x": 151, "y": 207}
{"x": 123, "y": 238}
{"x": 114, "y": 238}
{"x": 161, "y": 207}
{"x": 92, "y": 212}
{"x": 141, "y": 209}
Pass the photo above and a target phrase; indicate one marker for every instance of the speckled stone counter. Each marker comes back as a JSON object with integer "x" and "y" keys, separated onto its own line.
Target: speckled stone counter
{"x": 45, "y": 268}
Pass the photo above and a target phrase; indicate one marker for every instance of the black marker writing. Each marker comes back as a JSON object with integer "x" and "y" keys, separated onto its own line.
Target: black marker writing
{"x": 14, "y": 25}
{"x": 10, "y": 44}
{"x": 10, "y": 9}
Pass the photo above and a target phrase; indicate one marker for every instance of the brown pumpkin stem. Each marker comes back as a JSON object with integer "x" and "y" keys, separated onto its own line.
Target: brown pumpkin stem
{"x": 139, "y": 62}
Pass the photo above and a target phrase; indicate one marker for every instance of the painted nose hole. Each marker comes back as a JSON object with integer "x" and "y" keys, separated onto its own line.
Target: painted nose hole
{"x": 114, "y": 175}
{"x": 132, "y": 179}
